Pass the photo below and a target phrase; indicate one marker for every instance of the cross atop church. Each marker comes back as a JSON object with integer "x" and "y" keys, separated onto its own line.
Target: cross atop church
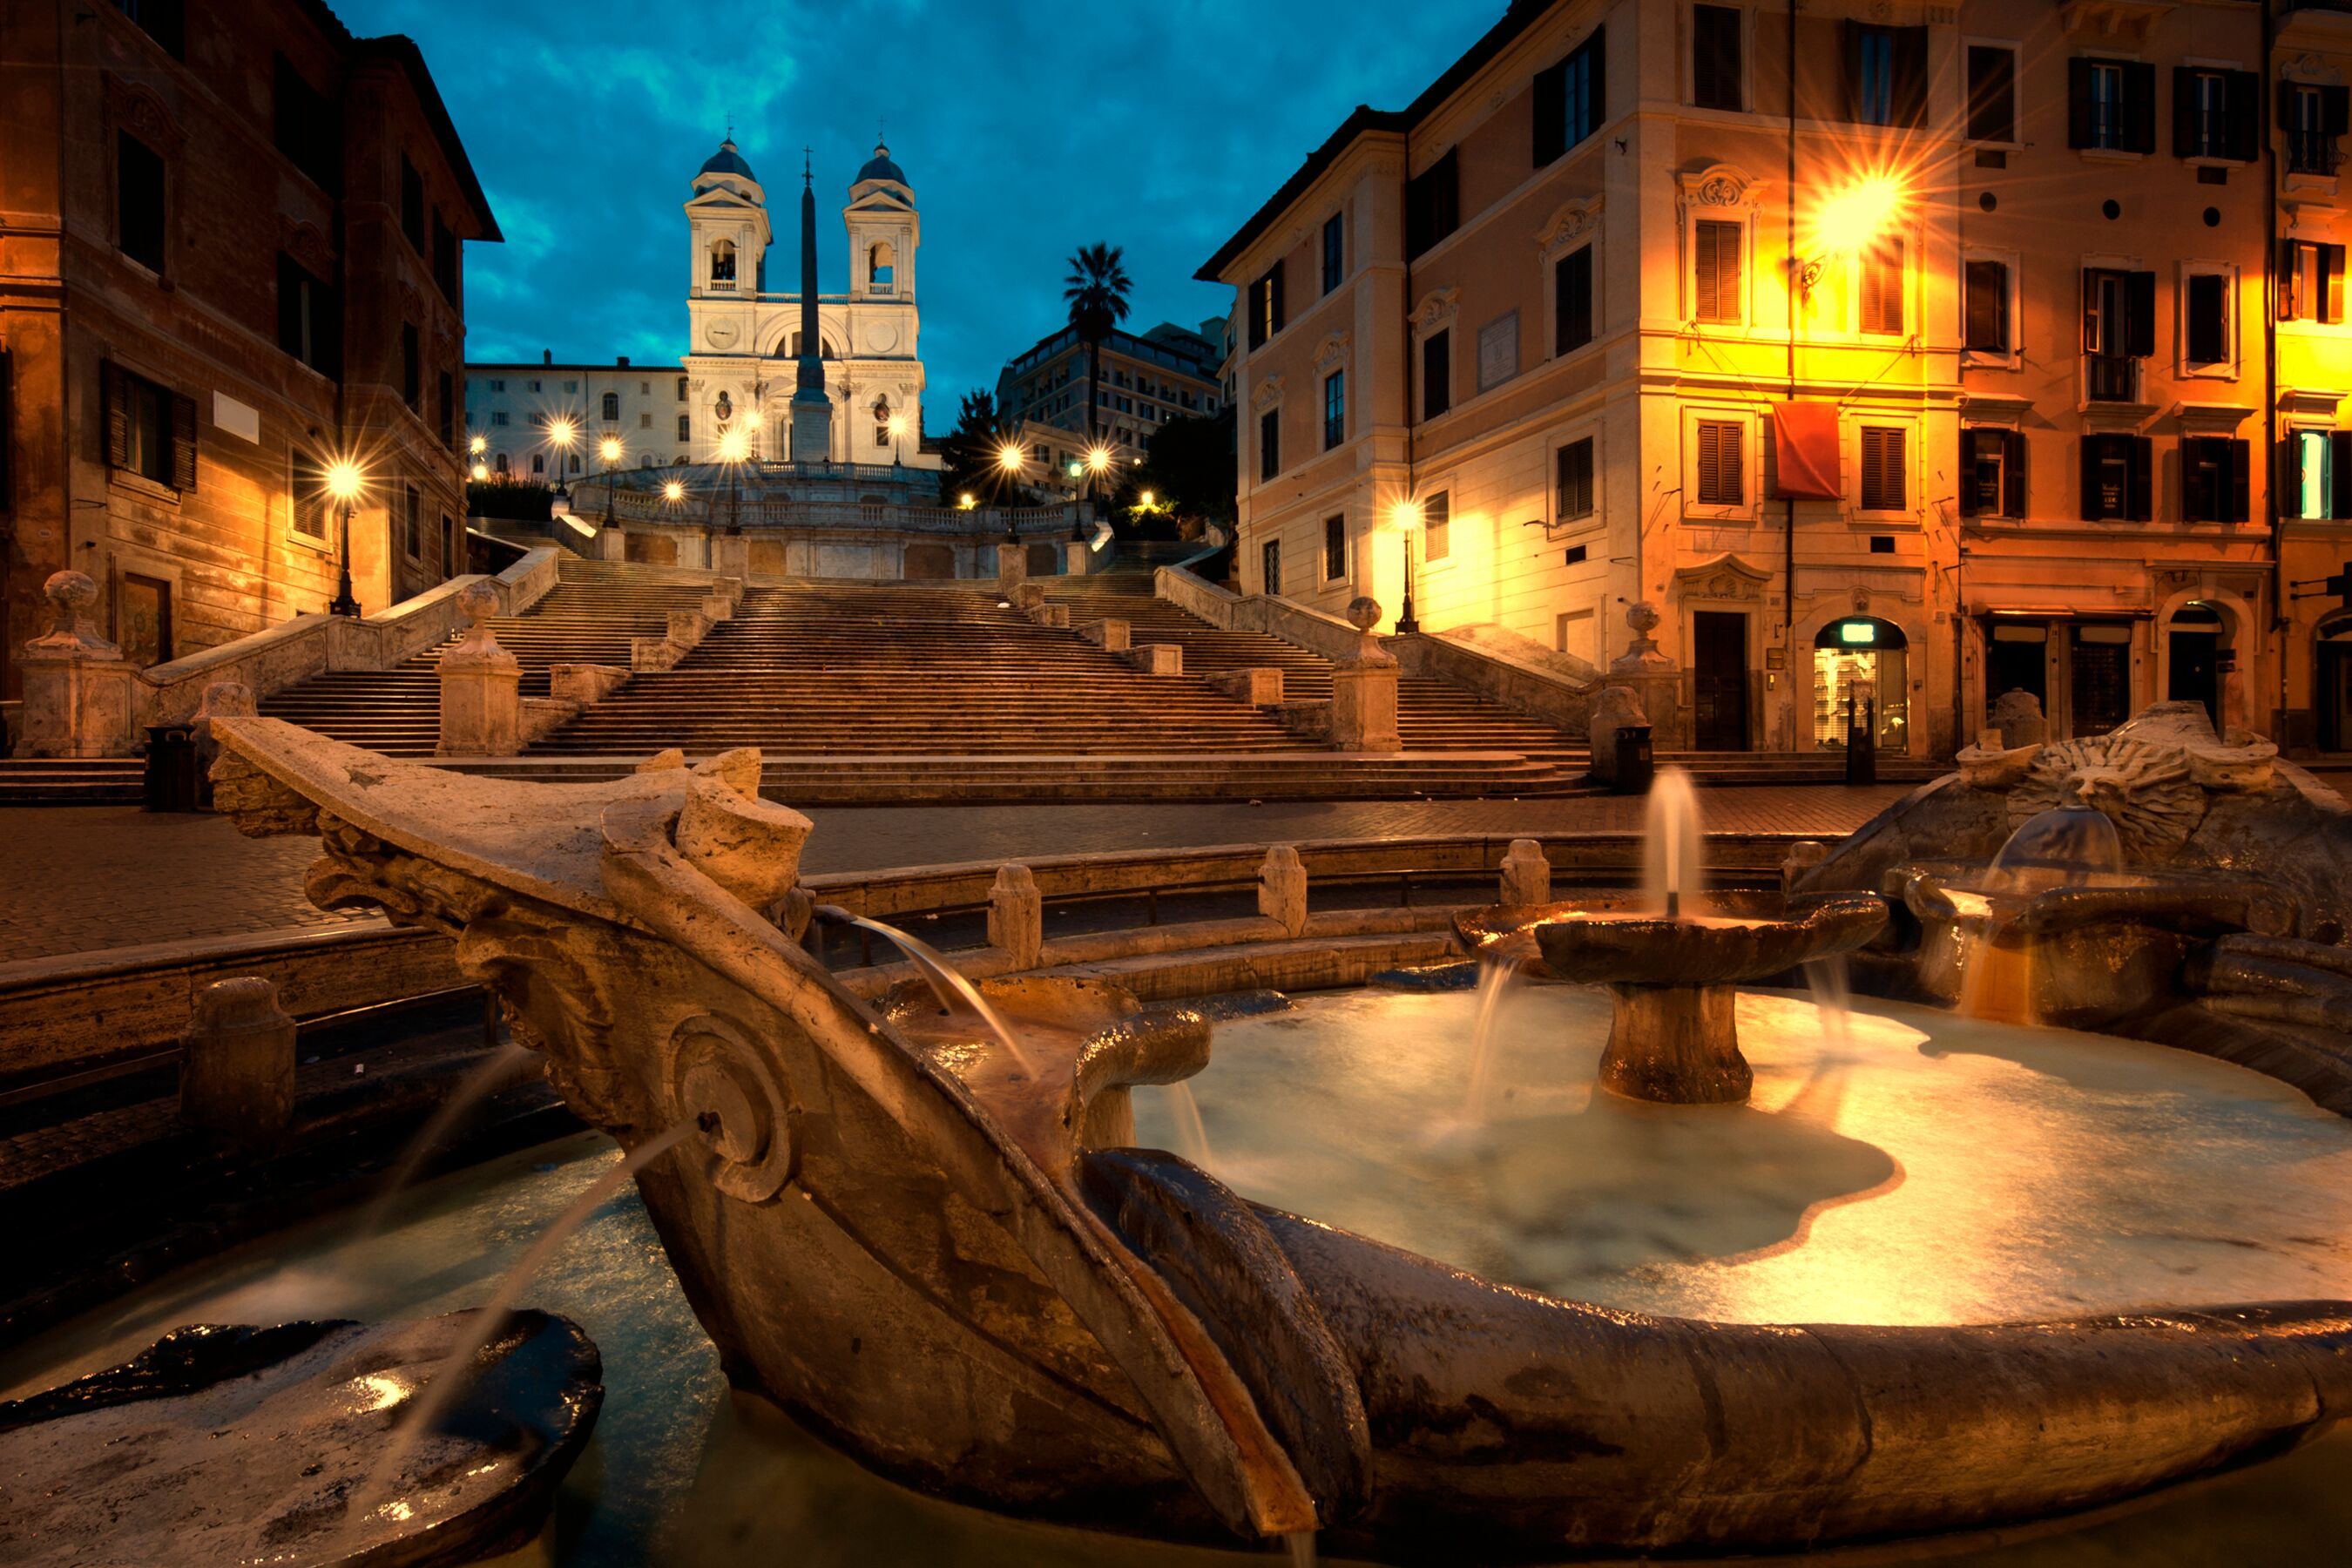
{"x": 730, "y": 125}
{"x": 808, "y": 165}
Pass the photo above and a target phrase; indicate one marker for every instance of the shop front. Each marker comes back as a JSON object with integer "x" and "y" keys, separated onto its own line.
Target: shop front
{"x": 1866, "y": 661}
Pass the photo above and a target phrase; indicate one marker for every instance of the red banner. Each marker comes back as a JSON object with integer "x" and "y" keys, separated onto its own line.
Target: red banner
{"x": 1805, "y": 449}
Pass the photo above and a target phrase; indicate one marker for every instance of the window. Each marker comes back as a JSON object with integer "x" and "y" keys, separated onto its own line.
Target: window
{"x": 1571, "y": 101}
{"x": 1992, "y": 93}
{"x": 1575, "y": 462}
{"x": 412, "y": 207}
{"x": 722, "y": 263}
{"x": 1714, "y": 248}
{"x": 1882, "y": 288}
{"x": 1715, "y": 58}
{"x": 645, "y": 421}
{"x": 612, "y": 405}
{"x": 1992, "y": 472}
{"x": 412, "y": 532}
{"x": 412, "y": 365}
{"x": 1721, "y": 480}
{"x": 1884, "y": 483}
{"x": 139, "y": 201}
{"x": 499, "y": 417}
{"x": 1437, "y": 527}
{"x": 1334, "y": 254}
{"x": 1498, "y": 349}
{"x": 2311, "y": 282}
{"x": 306, "y": 127}
{"x": 306, "y": 485}
{"x": 2116, "y": 477}
{"x": 1335, "y": 547}
{"x": 1269, "y": 566}
{"x": 882, "y": 267}
{"x": 2110, "y": 104}
{"x": 165, "y": 21}
{"x": 309, "y": 318}
{"x": 2213, "y": 113}
{"x": 1269, "y": 443}
{"x": 1571, "y": 296}
{"x": 2315, "y": 474}
{"x": 681, "y": 389}
{"x": 2215, "y": 480}
{"x": 445, "y": 259}
{"x": 1432, "y": 205}
{"x": 2118, "y": 329}
{"x": 151, "y": 430}
{"x": 1436, "y": 373}
{"x": 502, "y": 463}
{"x": 2313, "y": 118}
{"x": 2207, "y": 324}
{"x": 1335, "y": 409}
{"x": 1265, "y": 317}
{"x": 1986, "y": 307}
{"x": 1886, "y": 74}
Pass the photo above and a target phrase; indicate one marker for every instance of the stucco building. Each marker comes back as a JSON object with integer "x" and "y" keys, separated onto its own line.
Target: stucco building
{"x": 2006, "y": 351}
{"x": 1143, "y": 380}
{"x": 231, "y": 251}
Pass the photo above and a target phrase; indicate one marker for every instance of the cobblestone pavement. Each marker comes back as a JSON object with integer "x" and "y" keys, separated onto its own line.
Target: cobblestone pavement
{"x": 83, "y": 879}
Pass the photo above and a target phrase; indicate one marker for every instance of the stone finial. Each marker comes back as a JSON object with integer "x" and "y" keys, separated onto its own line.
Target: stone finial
{"x": 238, "y": 1074}
{"x": 71, "y": 593}
{"x": 749, "y": 847}
{"x": 478, "y": 601}
{"x": 1641, "y": 616}
{"x": 1016, "y": 916}
{"x": 1527, "y": 874}
{"x": 1364, "y": 614}
{"x": 1803, "y": 856}
{"x": 1282, "y": 888}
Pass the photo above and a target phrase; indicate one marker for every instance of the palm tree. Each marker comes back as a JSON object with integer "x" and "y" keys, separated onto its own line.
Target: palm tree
{"x": 1097, "y": 289}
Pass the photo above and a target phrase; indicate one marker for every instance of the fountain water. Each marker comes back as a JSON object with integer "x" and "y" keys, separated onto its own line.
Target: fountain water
{"x": 483, "y": 1079}
{"x": 1190, "y": 1132}
{"x": 2070, "y": 846}
{"x": 1497, "y": 975}
{"x": 1672, "y": 865}
{"x": 448, "y": 1380}
{"x": 946, "y": 982}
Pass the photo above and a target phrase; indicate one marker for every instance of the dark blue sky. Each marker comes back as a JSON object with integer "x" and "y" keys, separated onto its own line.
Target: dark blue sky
{"x": 1026, "y": 130}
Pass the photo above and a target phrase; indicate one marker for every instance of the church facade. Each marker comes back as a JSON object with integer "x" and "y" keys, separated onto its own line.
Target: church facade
{"x": 744, "y": 339}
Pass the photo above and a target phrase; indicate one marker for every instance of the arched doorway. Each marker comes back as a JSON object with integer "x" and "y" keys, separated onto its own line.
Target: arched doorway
{"x": 2192, "y": 657}
{"x": 1861, "y": 655}
{"x": 2331, "y": 691}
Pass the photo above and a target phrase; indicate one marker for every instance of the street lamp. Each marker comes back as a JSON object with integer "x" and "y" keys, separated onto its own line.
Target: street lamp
{"x": 609, "y": 450}
{"x": 345, "y": 482}
{"x": 475, "y": 446}
{"x": 1098, "y": 462}
{"x": 734, "y": 446}
{"x": 562, "y": 435}
{"x": 1407, "y": 513}
{"x": 897, "y": 433}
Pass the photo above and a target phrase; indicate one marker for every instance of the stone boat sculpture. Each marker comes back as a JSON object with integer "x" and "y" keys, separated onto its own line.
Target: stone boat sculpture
{"x": 954, "y": 1268}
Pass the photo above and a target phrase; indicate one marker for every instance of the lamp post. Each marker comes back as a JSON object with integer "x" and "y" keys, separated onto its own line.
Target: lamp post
{"x": 609, "y": 450}
{"x": 475, "y": 446}
{"x": 1407, "y": 517}
{"x": 345, "y": 482}
{"x": 1098, "y": 460}
{"x": 733, "y": 447}
{"x": 897, "y": 439}
{"x": 562, "y": 436}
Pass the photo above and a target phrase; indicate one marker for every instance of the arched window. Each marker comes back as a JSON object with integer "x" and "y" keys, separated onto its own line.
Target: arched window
{"x": 681, "y": 389}
{"x": 1868, "y": 661}
{"x": 612, "y": 408}
{"x": 726, "y": 407}
{"x": 722, "y": 262}
{"x": 881, "y": 264}
{"x": 502, "y": 462}
{"x": 882, "y": 422}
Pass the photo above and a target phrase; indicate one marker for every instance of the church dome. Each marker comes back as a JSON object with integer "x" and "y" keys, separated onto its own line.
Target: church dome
{"x": 879, "y": 167}
{"x": 727, "y": 161}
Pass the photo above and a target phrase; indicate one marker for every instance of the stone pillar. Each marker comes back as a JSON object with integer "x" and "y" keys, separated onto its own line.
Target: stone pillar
{"x": 1111, "y": 635}
{"x": 1364, "y": 689}
{"x": 481, "y": 685}
{"x": 610, "y": 544}
{"x": 223, "y": 699}
{"x": 1527, "y": 874}
{"x": 1012, "y": 567}
{"x": 1016, "y": 916}
{"x": 238, "y": 1075}
{"x": 1077, "y": 558}
{"x": 1654, "y": 679}
{"x": 718, "y": 607}
{"x": 1282, "y": 888}
{"x": 80, "y": 698}
{"x": 731, "y": 553}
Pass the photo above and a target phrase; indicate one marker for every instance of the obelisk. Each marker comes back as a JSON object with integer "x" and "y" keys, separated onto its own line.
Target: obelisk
{"x": 812, "y": 409}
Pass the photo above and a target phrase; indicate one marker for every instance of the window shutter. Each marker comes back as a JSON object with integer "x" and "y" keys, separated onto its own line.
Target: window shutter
{"x": 118, "y": 431}
{"x": 2335, "y": 110}
{"x": 2139, "y": 107}
{"x": 2013, "y": 473}
{"x": 2136, "y": 488}
{"x": 1734, "y": 487}
{"x": 1967, "y": 470}
{"x": 2285, "y": 104}
{"x": 184, "y": 442}
{"x": 2091, "y": 476}
{"x": 2078, "y": 102}
{"x": 2331, "y": 262}
{"x": 1551, "y": 113}
{"x": 2240, "y": 461}
{"x": 1709, "y": 470}
{"x": 1910, "y": 76}
{"x": 2242, "y": 90}
{"x": 1274, "y": 287}
{"x": 2339, "y": 473}
{"x": 2090, "y": 307}
{"x": 2140, "y": 314}
{"x": 2197, "y": 504}
{"x": 2289, "y": 475}
{"x": 2184, "y": 112}
{"x": 1598, "y": 80}
{"x": 1572, "y": 300}
{"x": 2208, "y": 336}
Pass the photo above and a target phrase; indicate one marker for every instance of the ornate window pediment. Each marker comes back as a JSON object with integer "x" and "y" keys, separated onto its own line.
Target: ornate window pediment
{"x": 305, "y": 244}
{"x": 1266, "y": 395}
{"x": 1436, "y": 306}
{"x": 1331, "y": 350}
{"x": 1574, "y": 221}
{"x": 137, "y": 108}
{"x": 1725, "y": 576}
{"x": 1718, "y": 185}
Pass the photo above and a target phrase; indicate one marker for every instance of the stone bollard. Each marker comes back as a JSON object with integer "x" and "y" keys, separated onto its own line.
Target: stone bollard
{"x": 1109, "y": 634}
{"x": 1157, "y": 658}
{"x": 1364, "y": 689}
{"x": 716, "y": 607}
{"x": 1282, "y": 888}
{"x": 1012, "y": 567}
{"x": 236, "y": 1077}
{"x": 223, "y": 699}
{"x": 1527, "y": 874}
{"x": 79, "y": 690}
{"x": 1803, "y": 856}
{"x": 1016, "y": 916}
{"x": 481, "y": 685}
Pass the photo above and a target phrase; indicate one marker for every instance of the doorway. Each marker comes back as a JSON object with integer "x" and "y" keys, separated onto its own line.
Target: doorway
{"x": 2193, "y": 659}
{"x": 1862, "y": 659}
{"x": 1719, "y": 680}
{"x": 1270, "y": 567}
{"x": 2100, "y": 688}
{"x": 144, "y": 620}
{"x": 2331, "y": 694}
{"x": 2017, "y": 659}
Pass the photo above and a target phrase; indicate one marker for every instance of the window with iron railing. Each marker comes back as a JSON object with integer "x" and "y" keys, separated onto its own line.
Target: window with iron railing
{"x": 2110, "y": 378}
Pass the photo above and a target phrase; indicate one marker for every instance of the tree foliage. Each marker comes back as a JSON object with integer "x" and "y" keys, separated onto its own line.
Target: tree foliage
{"x": 1191, "y": 467}
{"x": 969, "y": 456}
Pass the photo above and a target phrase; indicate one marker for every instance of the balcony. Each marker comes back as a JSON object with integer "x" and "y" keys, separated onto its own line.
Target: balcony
{"x": 2110, "y": 378}
{"x": 2311, "y": 153}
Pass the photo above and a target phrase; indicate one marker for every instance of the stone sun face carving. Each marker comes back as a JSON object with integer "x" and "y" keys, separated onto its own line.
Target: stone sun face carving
{"x": 2143, "y": 788}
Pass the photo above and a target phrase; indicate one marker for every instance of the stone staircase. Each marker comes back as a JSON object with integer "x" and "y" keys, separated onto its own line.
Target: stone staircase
{"x": 588, "y": 619}
{"x": 71, "y": 781}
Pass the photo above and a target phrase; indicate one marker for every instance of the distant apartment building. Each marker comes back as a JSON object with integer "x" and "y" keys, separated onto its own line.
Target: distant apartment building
{"x": 2005, "y": 349}
{"x": 1143, "y": 380}
{"x": 518, "y": 411}
{"x": 231, "y": 252}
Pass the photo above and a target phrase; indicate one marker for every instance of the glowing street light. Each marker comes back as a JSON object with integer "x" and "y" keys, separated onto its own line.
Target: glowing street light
{"x": 1850, "y": 219}
{"x": 477, "y": 445}
{"x": 345, "y": 480}
{"x": 897, "y": 433}
{"x": 1010, "y": 457}
{"x": 734, "y": 446}
{"x": 1407, "y": 515}
{"x": 481, "y": 471}
{"x": 965, "y": 502}
{"x": 673, "y": 493}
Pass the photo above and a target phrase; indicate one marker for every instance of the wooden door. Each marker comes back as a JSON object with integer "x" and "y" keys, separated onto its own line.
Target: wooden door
{"x": 143, "y": 619}
{"x": 1719, "y": 682}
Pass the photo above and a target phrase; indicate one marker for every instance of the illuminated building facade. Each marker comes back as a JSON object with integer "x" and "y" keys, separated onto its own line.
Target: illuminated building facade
{"x": 2009, "y": 355}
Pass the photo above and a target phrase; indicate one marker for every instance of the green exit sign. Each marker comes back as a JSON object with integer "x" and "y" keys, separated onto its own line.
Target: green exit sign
{"x": 1857, "y": 632}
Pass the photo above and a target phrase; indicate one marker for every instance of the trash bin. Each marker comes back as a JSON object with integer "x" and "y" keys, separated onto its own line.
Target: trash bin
{"x": 1634, "y": 765}
{"x": 1861, "y": 743}
{"x": 172, "y": 767}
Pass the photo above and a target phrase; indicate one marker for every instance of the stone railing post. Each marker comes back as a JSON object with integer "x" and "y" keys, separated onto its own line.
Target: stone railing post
{"x": 1016, "y": 916}
{"x": 1527, "y": 874}
{"x": 1364, "y": 690}
{"x": 1282, "y": 888}
{"x": 236, "y": 1077}
{"x": 1012, "y": 567}
{"x": 481, "y": 686}
{"x": 223, "y": 699}
{"x": 80, "y": 693}
{"x": 731, "y": 553}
